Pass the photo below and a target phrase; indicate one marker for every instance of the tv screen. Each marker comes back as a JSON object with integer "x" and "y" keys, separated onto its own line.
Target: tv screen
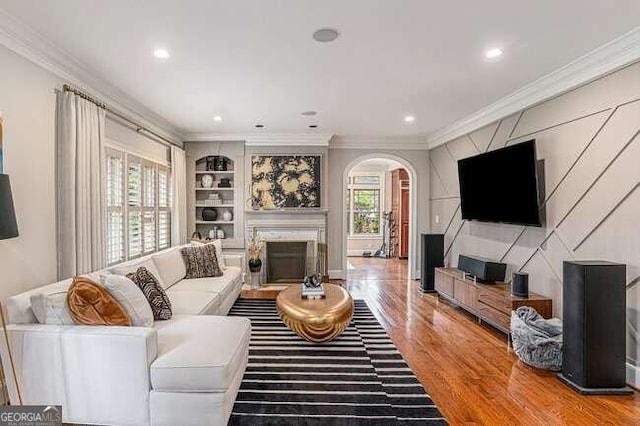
{"x": 501, "y": 186}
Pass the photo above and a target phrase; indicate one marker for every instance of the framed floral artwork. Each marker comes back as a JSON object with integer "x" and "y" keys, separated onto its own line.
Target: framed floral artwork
{"x": 285, "y": 181}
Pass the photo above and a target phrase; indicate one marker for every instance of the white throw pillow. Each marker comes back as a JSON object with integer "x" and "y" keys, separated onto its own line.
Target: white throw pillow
{"x": 218, "y": 245}
{"x": 148, "y": 264}
{"x": 130, "y": 297}
{"x": 171, "y": 266}
{"x": 51, "y": 308}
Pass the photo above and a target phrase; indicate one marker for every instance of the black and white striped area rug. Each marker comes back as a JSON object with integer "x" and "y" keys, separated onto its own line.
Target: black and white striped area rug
{"x": 359, "y": 378}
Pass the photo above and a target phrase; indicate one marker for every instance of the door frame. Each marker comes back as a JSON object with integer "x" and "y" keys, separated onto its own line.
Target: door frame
{"x": 413, "y": 202}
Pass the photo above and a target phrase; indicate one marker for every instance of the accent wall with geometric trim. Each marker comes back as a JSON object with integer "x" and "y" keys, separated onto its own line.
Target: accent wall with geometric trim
{"x": 590, "y": 142}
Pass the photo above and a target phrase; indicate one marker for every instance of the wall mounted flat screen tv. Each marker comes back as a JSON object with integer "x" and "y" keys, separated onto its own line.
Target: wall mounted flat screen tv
{"x": 502, "y": 186}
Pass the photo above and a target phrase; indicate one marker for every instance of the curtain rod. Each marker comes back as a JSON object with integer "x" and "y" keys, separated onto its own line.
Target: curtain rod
{"x": 139, "y": 128}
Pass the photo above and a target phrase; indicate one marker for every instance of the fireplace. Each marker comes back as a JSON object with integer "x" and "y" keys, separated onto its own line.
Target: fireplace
{"x": 295, "y": 244}
{"x": 288, "y": 261}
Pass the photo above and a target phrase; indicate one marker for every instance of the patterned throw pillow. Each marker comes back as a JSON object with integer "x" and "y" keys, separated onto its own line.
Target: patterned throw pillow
{"x": 153, "y": 291}
{"x": 201, "y": 261}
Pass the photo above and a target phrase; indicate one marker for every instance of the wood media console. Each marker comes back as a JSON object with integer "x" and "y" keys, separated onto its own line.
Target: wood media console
{"x": 491, "y": 303}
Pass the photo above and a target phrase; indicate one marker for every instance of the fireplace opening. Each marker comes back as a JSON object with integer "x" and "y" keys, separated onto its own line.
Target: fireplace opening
{"x": 286, "y": 261}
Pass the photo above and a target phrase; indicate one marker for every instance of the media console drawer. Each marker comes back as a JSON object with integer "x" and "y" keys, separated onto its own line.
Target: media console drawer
{"x": 498, "y": 318}
{"x": 499, "y": 301}
{"x": 444, "y": 283}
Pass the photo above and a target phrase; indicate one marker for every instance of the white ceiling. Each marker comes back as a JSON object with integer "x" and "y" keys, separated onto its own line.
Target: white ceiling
{"x": 255, "y": 61}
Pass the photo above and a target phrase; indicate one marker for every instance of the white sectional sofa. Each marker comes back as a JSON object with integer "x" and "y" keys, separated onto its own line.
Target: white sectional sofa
{"x": 183, "y": 371}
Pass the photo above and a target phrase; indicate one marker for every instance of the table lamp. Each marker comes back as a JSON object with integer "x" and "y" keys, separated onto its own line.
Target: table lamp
{"x": 8, "y": 229}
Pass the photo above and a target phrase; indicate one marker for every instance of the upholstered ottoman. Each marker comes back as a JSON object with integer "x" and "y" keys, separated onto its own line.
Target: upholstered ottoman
{"x": 197, "y": 373}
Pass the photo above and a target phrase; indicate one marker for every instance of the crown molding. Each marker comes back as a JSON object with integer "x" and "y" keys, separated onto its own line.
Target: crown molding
{"x": 373, "y": 142}
{"x": 607, "y": 58}
{"x": 259, "y": 139}
{"x": 24, "y": 41}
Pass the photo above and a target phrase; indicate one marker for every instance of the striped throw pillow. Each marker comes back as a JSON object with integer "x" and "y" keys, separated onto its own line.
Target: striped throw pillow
{"x": 153, "y": 291}
{"x": 201, "y": 261}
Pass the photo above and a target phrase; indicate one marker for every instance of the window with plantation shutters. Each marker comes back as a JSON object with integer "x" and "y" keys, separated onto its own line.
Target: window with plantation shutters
{"x": 138, "y": 206}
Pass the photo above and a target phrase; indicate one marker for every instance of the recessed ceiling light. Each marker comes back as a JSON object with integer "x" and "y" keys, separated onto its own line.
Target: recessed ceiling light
{"x": 493, "y": 53}
{"x": 409, "y": 118}
{"x": 309, "y": 113}
{"x": 325, "y": 35}
{"x": 161, "y": 53}
{"x": 313, "y": 126}
{"x": 217, "y": 118}
{"x": 259, "y": 126}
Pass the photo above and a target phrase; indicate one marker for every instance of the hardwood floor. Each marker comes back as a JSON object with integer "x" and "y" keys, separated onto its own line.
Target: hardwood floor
{"x": 467, "y": 367}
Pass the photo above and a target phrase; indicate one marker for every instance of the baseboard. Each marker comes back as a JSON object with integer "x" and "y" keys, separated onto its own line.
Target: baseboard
{"x": 633, "y": 375}
{"x": 336, "y": 274}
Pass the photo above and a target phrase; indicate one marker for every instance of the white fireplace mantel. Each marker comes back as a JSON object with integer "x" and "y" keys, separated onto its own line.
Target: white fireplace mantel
{"x": 297, "y": 228}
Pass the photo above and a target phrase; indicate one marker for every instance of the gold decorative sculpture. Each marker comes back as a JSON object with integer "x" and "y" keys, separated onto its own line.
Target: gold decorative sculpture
{"x": 316, "y": 320}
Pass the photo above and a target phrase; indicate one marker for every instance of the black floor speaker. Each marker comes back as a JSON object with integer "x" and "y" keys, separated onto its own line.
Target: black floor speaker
{"x": 593, "y": 304}
{"x": 432, "y": 257}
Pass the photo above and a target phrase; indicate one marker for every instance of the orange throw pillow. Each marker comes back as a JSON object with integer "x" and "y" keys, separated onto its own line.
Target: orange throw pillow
{"x": 91, "y": 304}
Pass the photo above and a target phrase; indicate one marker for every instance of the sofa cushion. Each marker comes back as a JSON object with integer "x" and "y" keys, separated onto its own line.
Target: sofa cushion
{"x": 51, "y": 307}
{"x": 194, "y": 302}
{"x": 129, "y": 295}
{"x": 201, "y": 261}
{"x": 199, "y": 353}
{"x": 133, "y": 267}
{"x": 170, "y": 266}
{"x": 91, "y": 304}
{"x": 155, "y": 294}
{"x": 222, "y": 285}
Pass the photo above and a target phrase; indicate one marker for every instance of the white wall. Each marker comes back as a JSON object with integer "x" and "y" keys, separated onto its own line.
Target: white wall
{"x": 339, "y": 161}
{"x": 589, "y": 141}
{"x": 27, "y": 101}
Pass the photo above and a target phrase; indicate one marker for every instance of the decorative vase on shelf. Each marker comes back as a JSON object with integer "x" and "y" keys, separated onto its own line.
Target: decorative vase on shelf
{"x": 207, "y": 181}
{"x": 227, "y": 216}
{"x": 209, "y": 214}
{"x": 255, "y": 264}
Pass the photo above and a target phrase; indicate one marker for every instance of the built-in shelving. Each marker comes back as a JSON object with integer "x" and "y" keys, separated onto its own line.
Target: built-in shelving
{"x": 226, "y": 196}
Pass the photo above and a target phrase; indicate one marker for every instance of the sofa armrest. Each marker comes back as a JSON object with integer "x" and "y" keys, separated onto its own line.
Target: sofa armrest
{"x": 77, "y": 366}
{"x": 235, "y": 259}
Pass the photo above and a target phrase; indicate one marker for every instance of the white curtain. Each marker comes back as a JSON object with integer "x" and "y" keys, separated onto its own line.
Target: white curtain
{"x": 79, "y": 172}
{"x": 179, "y": 191}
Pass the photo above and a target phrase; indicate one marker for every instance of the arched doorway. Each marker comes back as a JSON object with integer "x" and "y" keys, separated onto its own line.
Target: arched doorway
{"x": 412, "y": 226}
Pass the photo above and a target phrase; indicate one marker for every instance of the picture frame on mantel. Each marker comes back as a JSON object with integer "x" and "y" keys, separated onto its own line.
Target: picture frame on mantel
{"x": 280, "y": 182}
